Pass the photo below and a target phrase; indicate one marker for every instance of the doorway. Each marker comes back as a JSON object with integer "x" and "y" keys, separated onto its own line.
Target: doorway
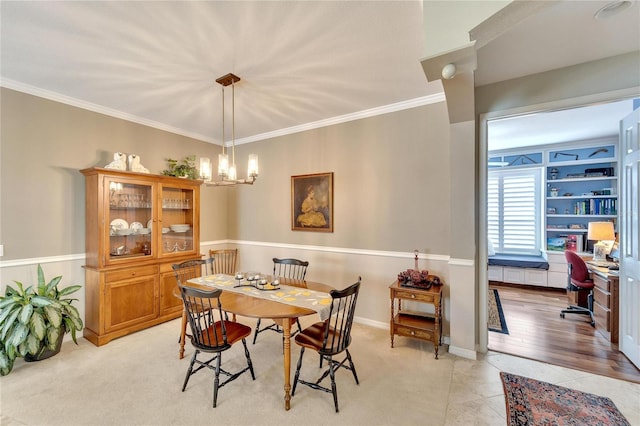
{"x": 531, "y": 121}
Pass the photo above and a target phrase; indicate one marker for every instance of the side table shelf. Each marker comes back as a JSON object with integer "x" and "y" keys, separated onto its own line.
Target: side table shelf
{"x": 415, "y": 324}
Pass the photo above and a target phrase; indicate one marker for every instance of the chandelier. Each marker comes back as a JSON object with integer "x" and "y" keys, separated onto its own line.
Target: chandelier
{"x": 227, "y": 170}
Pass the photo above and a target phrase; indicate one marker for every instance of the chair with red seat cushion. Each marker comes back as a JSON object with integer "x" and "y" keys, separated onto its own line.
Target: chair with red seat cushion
{"x": 211, "y": 336}
{"x": 579, "y": 280}
{"x": 330, "y": 338}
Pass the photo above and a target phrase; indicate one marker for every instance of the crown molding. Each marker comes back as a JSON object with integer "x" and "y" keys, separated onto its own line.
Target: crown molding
{"x": 68, "y": 100}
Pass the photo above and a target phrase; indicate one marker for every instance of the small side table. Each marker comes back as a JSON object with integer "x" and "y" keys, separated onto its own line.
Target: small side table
{"x": 414, "y": 324}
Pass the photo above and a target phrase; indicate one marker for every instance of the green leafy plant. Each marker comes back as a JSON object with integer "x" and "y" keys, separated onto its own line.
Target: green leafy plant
{"x": 32, "y": 320}
{"x": 186, "y": 168}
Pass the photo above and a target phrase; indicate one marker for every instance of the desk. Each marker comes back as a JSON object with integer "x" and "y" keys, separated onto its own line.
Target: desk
{"x": 253, "y": 307}
{"x": 605, "y": 302}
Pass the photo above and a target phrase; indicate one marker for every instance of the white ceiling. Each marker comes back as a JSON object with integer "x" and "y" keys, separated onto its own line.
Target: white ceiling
{"x": 302, "y": 64}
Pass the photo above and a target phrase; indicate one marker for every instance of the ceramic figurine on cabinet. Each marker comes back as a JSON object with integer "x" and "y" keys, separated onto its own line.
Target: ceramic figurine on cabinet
{"x": 119, "y": 162}
{"x": 135, "y": 166}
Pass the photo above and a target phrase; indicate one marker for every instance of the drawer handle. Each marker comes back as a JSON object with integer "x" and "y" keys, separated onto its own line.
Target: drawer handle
{"x": 413, "y": 333}
{"x": 413, "y": 296}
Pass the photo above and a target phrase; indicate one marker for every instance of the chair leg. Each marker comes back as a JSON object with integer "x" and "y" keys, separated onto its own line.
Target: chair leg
{"x": 334, "y": 391}
{"x": 189, "y": 370}
{"x": 295, "y": 380}
{"x": 353, "y": 367}
{"x": 249, "y": 363}
{"x": 255, "y": 335}
{"x": 216, "y": 381}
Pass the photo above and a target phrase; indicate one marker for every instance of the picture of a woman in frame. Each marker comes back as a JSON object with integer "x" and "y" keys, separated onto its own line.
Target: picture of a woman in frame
{"x": 311, "y": 202}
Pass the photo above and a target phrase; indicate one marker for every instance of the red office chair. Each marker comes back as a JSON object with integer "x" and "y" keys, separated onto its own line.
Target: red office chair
{"x": 579, "y": 280}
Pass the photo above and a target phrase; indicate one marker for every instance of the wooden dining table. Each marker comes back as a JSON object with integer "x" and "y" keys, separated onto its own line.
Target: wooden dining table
{"x": 250, "y": 306}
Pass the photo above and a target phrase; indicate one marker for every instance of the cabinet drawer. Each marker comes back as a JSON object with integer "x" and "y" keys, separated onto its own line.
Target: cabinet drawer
{"x": 418, "y": 296}
{"x": 602, "y": 297}
{"x": 125, "y": 274}
{"x": 602, "y": 316}
{"x": 535, "y": 277}
{"x": 414, "y": 332}
{"x": 494, "y": 273}
{"x": 557, "y": 279}
{"x": 601, "y": 283}
{"x": 514, "y": 275}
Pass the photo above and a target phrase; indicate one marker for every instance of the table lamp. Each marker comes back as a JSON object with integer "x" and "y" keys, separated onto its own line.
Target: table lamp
{"x": 600, "y": 231}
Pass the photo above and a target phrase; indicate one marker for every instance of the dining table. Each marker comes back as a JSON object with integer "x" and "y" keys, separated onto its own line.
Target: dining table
{"x": 277, "y": 304}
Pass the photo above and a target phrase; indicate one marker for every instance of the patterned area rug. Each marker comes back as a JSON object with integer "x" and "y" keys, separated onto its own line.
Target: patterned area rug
{"x": 532, "y": 402}
{"x": 496, "y": 319}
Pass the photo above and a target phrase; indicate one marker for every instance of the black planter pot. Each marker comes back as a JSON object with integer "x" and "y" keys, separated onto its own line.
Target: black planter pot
{"x": 46, "y": 353}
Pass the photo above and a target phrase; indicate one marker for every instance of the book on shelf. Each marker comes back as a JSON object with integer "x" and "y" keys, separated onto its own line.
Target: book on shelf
{"x": 575, "y": 242}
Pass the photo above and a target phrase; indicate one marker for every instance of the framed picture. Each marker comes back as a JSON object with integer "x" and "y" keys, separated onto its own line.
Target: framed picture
{"x": 312, "y": 202}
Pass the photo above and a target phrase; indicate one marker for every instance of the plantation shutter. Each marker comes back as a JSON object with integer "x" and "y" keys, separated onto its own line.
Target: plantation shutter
{"x": 514, "y": 210}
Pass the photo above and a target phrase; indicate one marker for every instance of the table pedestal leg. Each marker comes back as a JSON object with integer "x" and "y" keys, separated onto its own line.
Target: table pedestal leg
{"x": 286, "y": 326}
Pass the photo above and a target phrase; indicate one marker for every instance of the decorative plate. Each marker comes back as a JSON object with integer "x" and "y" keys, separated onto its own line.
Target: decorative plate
{"x": 136, "y": 225}
{"x": 119, "y": 224}
{"x": 149, "y": 224}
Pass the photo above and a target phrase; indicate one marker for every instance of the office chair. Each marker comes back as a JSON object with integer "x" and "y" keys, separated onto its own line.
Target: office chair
{"x": 294, "y": 269}
{"x": 578, "y": 279}
{"x": 330, "y": 338}
{"x": 211, "y": 336}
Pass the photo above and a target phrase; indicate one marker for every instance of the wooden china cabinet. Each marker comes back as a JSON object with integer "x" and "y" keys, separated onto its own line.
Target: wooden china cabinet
{"x": 137, "y": 226}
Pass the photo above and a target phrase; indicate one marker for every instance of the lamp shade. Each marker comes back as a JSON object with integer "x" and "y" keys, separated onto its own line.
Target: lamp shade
{"x": 601, "y": 231}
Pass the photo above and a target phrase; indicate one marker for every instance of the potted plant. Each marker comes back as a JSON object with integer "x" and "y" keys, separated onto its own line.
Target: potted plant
{"x": 186, "y": 168}
{"x": 34, "y": 321}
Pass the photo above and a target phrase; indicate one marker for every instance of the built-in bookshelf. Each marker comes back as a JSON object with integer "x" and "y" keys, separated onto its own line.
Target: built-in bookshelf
{"x": 582, "y": 187}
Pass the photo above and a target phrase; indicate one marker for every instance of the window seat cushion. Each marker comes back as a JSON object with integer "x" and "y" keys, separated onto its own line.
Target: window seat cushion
{"x": 519, "y": 261}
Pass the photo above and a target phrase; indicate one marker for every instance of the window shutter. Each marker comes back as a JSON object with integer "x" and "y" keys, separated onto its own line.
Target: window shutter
{"x": 513, "y": 210}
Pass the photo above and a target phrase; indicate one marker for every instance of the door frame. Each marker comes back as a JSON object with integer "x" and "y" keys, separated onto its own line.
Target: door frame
{"x": 483, "y": 120}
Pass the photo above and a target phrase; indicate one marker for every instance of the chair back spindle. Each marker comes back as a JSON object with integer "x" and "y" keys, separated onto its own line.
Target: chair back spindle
{"x": 207, "y": 334}
{"x": 224, "y": 261}
{"x": 295, "y": 269}
{"x": 190, "y": 269}
{"x": 337, "y": 333}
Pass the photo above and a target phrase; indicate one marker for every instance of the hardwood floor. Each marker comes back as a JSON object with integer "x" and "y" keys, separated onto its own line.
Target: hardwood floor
{"x": 537, "y": 332}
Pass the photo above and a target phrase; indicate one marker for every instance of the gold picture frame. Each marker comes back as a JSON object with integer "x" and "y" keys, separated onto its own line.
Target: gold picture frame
{"x": 312, "y": 202}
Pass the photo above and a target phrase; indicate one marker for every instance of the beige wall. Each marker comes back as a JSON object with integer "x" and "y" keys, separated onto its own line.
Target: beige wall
{"x": 391, "y": 180}
{"x": 45, "y": 144}
{"x": 391, "y": 194}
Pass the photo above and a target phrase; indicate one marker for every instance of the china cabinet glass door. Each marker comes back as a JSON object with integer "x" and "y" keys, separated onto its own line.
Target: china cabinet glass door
{"x": 177, "y": 220}
{"x": 129, "y": 220}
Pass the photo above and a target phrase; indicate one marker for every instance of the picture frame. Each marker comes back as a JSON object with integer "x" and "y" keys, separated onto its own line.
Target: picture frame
{"x": 312, "y": 202}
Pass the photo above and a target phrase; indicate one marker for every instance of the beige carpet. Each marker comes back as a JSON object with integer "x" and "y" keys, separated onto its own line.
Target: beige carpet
{"x": 137, "y": 380}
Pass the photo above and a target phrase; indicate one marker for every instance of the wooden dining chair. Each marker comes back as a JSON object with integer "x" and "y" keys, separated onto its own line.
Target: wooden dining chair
{"x": 294, "y": 269}
{"x": 211, "y": 336}
{"x": 330, "y": 338}
{"x": 224, "y": 261}
{"x": 183, "y": 272}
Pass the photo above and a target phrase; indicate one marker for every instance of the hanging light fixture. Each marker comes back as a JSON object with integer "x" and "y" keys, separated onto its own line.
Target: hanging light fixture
{"x": 227, "y": 170}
